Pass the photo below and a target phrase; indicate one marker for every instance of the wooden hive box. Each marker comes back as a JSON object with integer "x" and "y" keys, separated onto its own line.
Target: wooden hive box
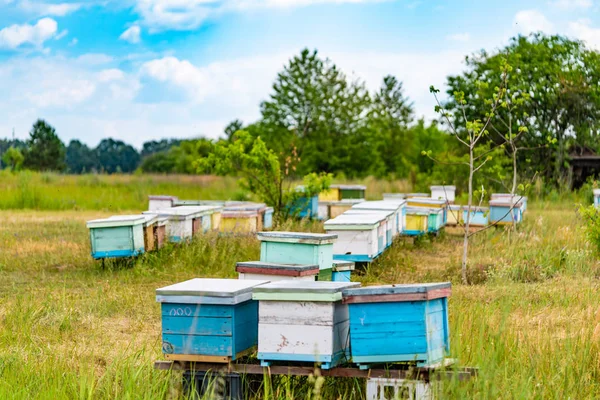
{"x": 418, "y": 195}
{"x": 435, "y": 220}
{"x": 342, "y": 270}
{"x": 305, "y": 207}
{"x": 160, "y": 232}
{"x": 416, "y": 222}
{"x": 204, "y": 216}
{"x": 258, "y": 208}
{"x": 298, "y": 248}
{"x": 302, "y": 321}
{"x": 389, "y": 222}
{"x": 396, "y": 206}
{"x": 339, "y": 207}
{"x": 186, "y": 221}
{"x": 361, "y": 237}
{"x": 331, "y": 194}
{"x": 399, "y": 323}
{"x": 454, "y": 215}
{"x": 515, "y": 198}
{"x": 119, "y": 236}
{"x": 355, "y": 192}
{"x": 394, "y": 196}
{"x": 479, "y": 216}
{"x": 504, "y": 212}
{"x": 158, "y": 202}
{"x": 446, "y": 193}
{"x": 208, "y": 320}
{"x": 430, "y": 203}
{"x": 149, "y": 225}
{"x": 268, "y": 218}
{"x": 245, "y": 222}
{"x": 276, "y": 271}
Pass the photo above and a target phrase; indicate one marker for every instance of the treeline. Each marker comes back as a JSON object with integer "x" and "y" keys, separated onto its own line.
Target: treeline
{"x": 332, "y": 123}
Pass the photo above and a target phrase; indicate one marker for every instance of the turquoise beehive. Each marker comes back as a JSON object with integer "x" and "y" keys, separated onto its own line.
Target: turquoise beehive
{"x": 399, "y": 323}
{"x": 117, "y": 236}
{"x": 342, "y": 270}
{"x": 298, "y": 248}
{"x": 211, "y": 320}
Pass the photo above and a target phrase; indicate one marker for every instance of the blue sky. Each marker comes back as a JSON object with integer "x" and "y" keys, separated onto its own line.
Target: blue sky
{"x": 139, "y": 70}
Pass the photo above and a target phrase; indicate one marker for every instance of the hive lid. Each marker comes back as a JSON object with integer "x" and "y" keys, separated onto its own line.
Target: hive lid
{"x": 162, "y": 197}
{"x": 421, "y": 195}
{"x": 343, "y": 265}
{"x": 180, "y": 203}
{"x": 360, "y": 211}
{"x": 207, "y": 290}
{"x": 455, "y": 207}
{"x": 239, "y": 214}
{"x": 398, "y": 293}
{"x": 503, "y": 202}
{"x": 297, "y": 290}
{"x": 267, "y": 268}
{"x": 443, "y": 187}
{"x": 117, "y": 220}
{"x": 149, "y": 219}
{"x": 297, "y": 237}
{"x": 234, "y": 206}
{"x": 390, "y": 196}
{"x": 418, "y": 210}
{"x": 475, "y": 209}
{"x": 426, "y": 200}
{"x": 348, "y": 187}
{"x": 379, "y": 205}
{"x": 185, "y": 212}
{"x": 355, "y": 221}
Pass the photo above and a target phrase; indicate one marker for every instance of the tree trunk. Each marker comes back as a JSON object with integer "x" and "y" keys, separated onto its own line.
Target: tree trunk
{"x": 468, "y": 221}
{"x": 514, "y": 186}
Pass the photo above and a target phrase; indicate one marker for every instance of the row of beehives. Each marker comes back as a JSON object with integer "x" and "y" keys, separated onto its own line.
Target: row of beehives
{"x": 132, "y": 235}
{"x": 278, "y": 305}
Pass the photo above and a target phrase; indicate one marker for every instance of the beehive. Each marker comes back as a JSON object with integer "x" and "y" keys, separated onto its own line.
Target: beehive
{"x": 276, "y": 271}
{"x": 394, "y": 196}
{"x": 418, "y": 195}
{"x": 356, "y": 192}
{"x": 259, "y": 208}
{"x": 515, "y": 198}
{"x": 268, "y": 218}
{"x": 454, "y": 214}
{"x": 479, "y": 216}
{"x": 239, "y": 221}
{"x": 120, "y": 236}
{"x": 505, "y": 212}
{"x": 435, "y": 220}
{"x": 302, "y": 321}
{"x": 396, "y": 206}
{"x": 298, "y": 248}
{"x": 361, "y": 237}
{"x": 447, "y": 193}
{"x": 208, "y": 320}
{"x": 390, "y": 222}
{"x": 339, "y": 207}
{"x": 431, "y": 204}
{"x": 160, "y": 232}
{"x": 186, "y": 221}
{"x": 416, "y": 222}
{"x": 399, "y": 323}
{"x": 158, "y": 202}
{"x": 342, "y": 270}
{"x": 149, "y": 225}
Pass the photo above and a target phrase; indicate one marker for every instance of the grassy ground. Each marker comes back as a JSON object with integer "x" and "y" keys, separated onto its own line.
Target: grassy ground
{"x": 68, "y": 329}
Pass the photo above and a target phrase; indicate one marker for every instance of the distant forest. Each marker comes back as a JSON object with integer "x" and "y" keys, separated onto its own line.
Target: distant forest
{"x": 334, "y": 124}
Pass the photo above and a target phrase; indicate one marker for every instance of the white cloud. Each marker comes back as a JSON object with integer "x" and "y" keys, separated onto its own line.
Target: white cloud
{"x": 528, "y": 21}
{"x": 109, "y": 75}
{"x": 583, "y": 30}
{"x": 459, "y": 37}
{"x": 49, "y": 9}
{"x": 572, "y": 4}
{"x": 189, "y": 14}
{"x": 14, "y": 36}
{"x": 93, "y": 59}
{"x": 61, "y": 35}
{"x": 73, "y": 42}
{"x": 131, "y": 35}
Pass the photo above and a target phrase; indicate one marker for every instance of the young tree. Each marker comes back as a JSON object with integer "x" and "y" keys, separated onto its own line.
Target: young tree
{"x": 471, "y": 136}
{"x": 232, "y": 128}
{"x": 13, "y": 158}
{"x": 115, "y": 156}
{"x": 45, "y": 151}
{"x": 80, "y": 158}
{"x": 261, "y": 172}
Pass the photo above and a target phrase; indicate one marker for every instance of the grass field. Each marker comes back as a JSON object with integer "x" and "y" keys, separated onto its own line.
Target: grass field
{"x": 69, "y": 329}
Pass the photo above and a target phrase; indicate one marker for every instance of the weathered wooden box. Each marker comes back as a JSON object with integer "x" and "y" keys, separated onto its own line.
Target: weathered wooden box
{"x": 509, "y": 197}
{"x": 160, "y": 232}
{"x": 276, "y": 271}
{"x": 268, "y": 218}
{"x": 117, "y": 236}
{"x": 429, "y": 203}
{"x": 505, "y": 212}
{"x": 479, "y": 216}
{"x": 417, "y": 221}
{"x": 446, "y": 193}
{"x": 149, "y": 225}
{"x": 186, "y": 221}
{"x": 159, "y": 202}
{"x": 417, "y": 195}
{"x": 239, "y": 221}
{"x": 259, "y": 208}
{"x": 435, "y": 220}
{"x": 302, "y": 321}
{"x": 394, "y": 196}
{"x": 337, "y": 192}
{"x": 399, "y": 323}
{"x": 208, "y": 320}
{"x": 454, "y": 214}
{"x": 342, "y": 270}
{"x": 395, "y": 206}
{"x": 339, "y": 207}
{"x": 388, "y": 227}
{"x": 298, "y": 248}
{"x": 361, "y": 237}
{"x": 305, "y": 207}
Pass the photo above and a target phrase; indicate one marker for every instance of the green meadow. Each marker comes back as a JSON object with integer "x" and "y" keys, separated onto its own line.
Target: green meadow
{"x": 69, "y": 329}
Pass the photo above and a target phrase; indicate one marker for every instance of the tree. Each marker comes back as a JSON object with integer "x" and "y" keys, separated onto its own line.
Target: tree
{"x": 471, "y": 137}
{"x": 178, "y": 159}
{"x": 232, "y": 128}
{"x": 13, "y": 158}
{"x": 153, "y": 146}
{"x": 261, "y": 172}
{"x": 389, "y": 118}
{"x": 45, "y": 151}
{"x": 560, "y": 78}
{"x": 315, "y": 109}
{"x": 6, "y": 144}
{"x": 80, "y": 158}
{"x": 115, "y": 156}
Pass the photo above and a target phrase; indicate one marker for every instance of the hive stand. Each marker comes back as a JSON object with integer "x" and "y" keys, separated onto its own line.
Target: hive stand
{"x": 401, "y": 388}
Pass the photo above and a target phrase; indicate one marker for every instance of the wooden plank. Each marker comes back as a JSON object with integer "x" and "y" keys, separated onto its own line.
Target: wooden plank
{"x": 298, "y": 313}
{"x": 280, "y": 271}
{"x": 195, "y": 358}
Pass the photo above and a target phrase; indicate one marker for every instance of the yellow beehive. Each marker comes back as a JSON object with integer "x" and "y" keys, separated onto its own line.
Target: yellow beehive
{"x": 239, "y": 222}
{"x": 332, "y": 194}
{"x": 215, "y": 220}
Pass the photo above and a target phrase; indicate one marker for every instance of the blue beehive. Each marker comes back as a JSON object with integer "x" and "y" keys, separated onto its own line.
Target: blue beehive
{"x": 342, "y": 270}
{"x": 399, "y": 323}
{"x": 268, "y": 218}
{"x": 479, "y": 216}
{"x": 117, "y": 236}
{"x": 505, "y": 212}
{"x": 210, "y": 320}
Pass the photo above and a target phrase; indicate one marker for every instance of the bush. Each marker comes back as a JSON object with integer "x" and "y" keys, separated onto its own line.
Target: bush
{"x": 591, "y": 219}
